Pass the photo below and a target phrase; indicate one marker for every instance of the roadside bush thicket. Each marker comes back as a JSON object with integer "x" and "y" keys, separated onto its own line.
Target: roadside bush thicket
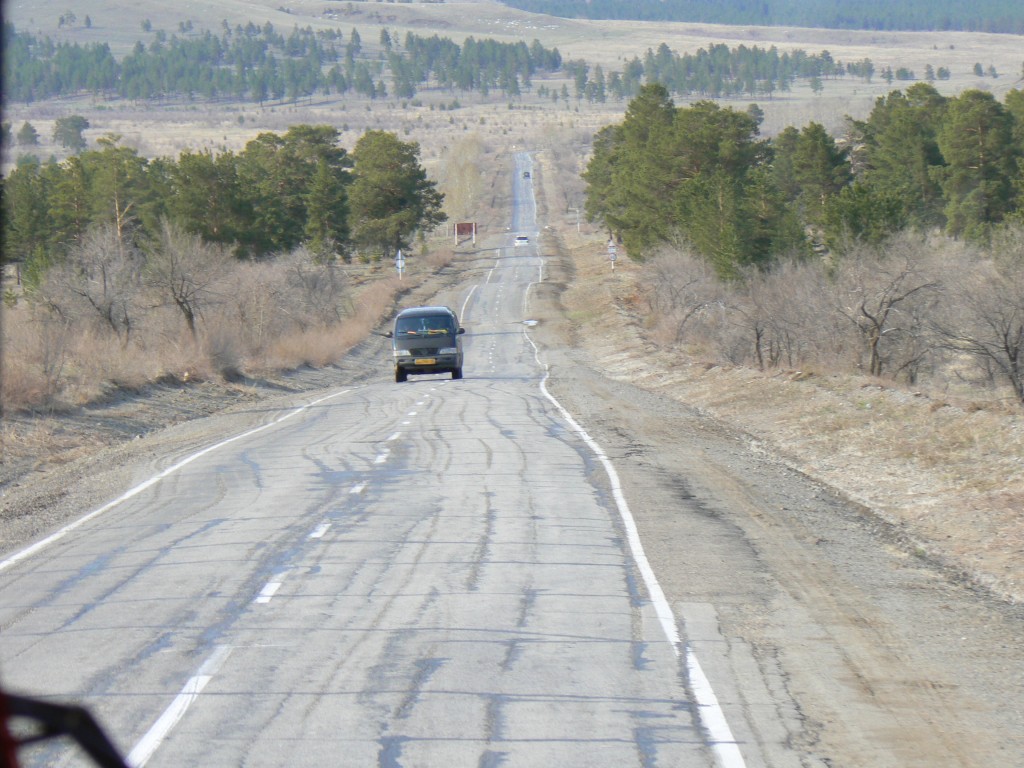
{"x": 102, "y": 320}
{"x": 918, "y": 309}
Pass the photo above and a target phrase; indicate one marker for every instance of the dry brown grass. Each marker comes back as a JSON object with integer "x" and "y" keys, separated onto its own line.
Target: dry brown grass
{"x": 258, "y": 326}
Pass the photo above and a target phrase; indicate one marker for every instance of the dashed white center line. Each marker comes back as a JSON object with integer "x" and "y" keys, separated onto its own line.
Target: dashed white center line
{"x": 382, "y": 457}
{"x": 358, "y": 488}
{"x": 271, "y": 588}
{"x": 319, "y": 531}
{"x": 393, "y": 437}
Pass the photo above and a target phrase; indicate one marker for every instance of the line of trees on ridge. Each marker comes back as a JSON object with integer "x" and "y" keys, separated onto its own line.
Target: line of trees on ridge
{"x": 981, "y": 16}
{"x": 257, "y": 63}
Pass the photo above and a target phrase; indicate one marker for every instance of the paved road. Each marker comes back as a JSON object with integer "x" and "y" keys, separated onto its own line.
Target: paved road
{"x": 432, "y": 573}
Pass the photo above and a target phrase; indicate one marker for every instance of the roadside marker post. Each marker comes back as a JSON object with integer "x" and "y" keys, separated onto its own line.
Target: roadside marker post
{"x": 399, "y": 263}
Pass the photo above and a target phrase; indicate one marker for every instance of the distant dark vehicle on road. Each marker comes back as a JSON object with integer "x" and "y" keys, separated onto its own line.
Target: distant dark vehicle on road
{"x": 426, "y": 340}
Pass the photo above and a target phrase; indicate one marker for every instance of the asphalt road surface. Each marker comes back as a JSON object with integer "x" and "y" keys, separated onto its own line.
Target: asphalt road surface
{"x": 432, "y": 573}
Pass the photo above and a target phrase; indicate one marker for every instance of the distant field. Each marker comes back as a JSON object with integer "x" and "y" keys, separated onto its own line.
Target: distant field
{"x": 167, "y": 129}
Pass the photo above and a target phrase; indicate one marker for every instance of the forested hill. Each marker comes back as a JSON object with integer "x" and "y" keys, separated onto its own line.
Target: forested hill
{"x": 1006, "y": 16}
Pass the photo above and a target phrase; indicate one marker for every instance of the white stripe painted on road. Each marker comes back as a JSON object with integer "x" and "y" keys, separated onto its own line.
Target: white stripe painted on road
{"x": 382, "y": 457}
{"x": 271, "y": 588}
{"x": 149, "y": 743}
{"x": 358, "y": 488}
{"x": 462, "y": 312}
{"x": 393, "y": 437}
{"x": 319, "y": 531}
{"x": 720, "y": 737}
{"x": 61, "y": 533}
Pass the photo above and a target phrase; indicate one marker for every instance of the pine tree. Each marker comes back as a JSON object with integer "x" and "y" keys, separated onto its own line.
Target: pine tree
{"x": 820, "y": 169}
{"x": 28, "y": 136}
{"x": 327, "y": 212}
{"x": 67, "y": 131}
{"x": 903, "y": 152}
{"x": 390, "y": 198}
{"x": 977, "y": 143}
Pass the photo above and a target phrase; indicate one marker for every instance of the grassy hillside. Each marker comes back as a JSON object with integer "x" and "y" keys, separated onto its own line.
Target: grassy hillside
{"x": 168, "y": 127}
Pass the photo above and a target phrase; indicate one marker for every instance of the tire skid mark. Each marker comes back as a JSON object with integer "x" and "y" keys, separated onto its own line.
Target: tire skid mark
{"x": 481, "y": 554}
{"x": 155, "y": 480}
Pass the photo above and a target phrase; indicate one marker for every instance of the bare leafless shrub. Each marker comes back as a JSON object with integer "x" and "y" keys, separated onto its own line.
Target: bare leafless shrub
{"x": 569, "y": 149}
{"x": 253, "y": 297}
{"x": 437, "y": 256}
{"x": 314, "y": 346}
{"x": 35, "y": 354}
{"x": 803, "y": 328}
{"x": 887, "y": 295}
{"x": 316, "y": 291}
{"x": 99, "y": 283}
{"x": 375, "y": 301}
{"x": 775, "y": 311}
{"x": 871, "y": 310}
{"x": 222, "y": 352}
{"x": 985, "y": 315}
{"x": 326, "y": 344}
{"x": 98, "y": 364}
{"x": 678, "y": 288}
{"x": 183, "y": 271}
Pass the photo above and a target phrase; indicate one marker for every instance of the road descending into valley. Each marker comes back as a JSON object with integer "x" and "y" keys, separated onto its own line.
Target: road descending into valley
{"x": 532, "y": 566}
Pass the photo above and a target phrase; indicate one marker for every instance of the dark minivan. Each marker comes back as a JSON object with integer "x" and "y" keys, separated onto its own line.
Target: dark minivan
{"x": 426, "y": 340}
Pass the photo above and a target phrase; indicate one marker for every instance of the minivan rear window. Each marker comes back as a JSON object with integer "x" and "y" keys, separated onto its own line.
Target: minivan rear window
{"x": 431, "y": 325}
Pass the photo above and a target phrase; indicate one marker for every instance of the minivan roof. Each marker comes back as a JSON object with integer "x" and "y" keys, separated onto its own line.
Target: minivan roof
{"x": 421, "y": 311}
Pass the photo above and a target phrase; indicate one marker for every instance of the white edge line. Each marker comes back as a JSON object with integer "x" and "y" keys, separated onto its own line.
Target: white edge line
{"x": 155, "y": 736}
{"x": 62, "y": 532}
{"x": 462, "y": 312}
{"x": 722, "y": 742}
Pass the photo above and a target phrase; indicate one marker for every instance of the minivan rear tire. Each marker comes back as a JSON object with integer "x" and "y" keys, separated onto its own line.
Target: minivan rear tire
{"x": 400, "y": 375}
{"x": 456, "y": 373}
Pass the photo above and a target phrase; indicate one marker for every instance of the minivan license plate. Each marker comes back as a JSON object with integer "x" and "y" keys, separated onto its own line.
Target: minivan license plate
{"x": 425, "y": 361}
